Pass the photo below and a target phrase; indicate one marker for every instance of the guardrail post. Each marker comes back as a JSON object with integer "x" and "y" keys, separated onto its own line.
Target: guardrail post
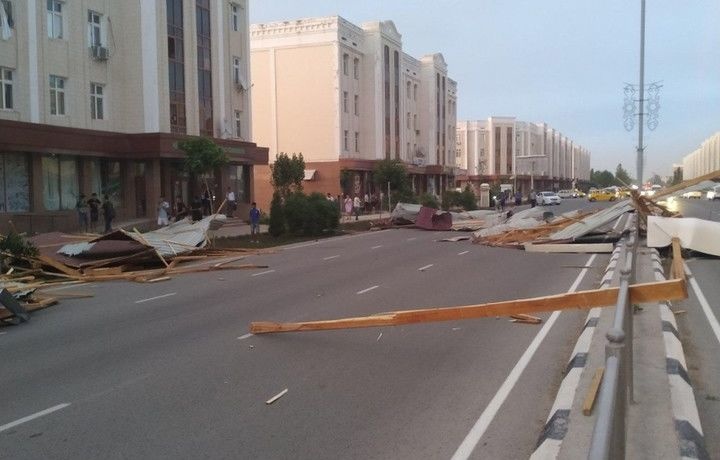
{"x": 616, "y": 348}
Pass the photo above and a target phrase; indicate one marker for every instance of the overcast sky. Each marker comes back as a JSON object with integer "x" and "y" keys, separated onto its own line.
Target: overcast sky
{"x": 563, "y": 62}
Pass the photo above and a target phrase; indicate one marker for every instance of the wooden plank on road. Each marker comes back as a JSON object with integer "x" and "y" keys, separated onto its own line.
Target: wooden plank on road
{"x": 639, "y": 293}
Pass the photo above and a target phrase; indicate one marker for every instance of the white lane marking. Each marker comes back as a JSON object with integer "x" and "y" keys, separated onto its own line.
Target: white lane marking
{"x": 330, "y": 240}
{"x": 276, "y": 397}
{"x": 378, "y": 339}
{"x": 712, "y": 319}
{"x": 376, "y": 247}
{"x": 368, "y": 289}
{"x": 412, "y": 239}
{"x": 263, "y": 273}
{"x": 156, "y": 297}
{"x": 246, "y": 336}
{"x": 301, "y": 245}
{"x": 20, "y": 421}
{"x": 3, "y": 333}
{"x": 462, "y": 253}
{"x": 422, "y": 269}
{"x": 481, "y": 425}
{"x": 331, "y": 257}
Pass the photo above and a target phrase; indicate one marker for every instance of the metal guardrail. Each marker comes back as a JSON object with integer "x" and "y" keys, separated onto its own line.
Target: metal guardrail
{"x": 608, "y": 439}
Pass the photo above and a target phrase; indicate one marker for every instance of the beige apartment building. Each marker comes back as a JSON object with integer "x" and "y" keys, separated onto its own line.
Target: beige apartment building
{"x": 704, "y": 160}
{"x": 96, "y": 95}
{"x": 347, "y": 96}
{"x": 503, "y": 150}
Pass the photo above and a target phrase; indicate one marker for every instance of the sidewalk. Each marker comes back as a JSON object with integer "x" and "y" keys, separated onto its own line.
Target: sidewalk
{"x": 662, "y": 422}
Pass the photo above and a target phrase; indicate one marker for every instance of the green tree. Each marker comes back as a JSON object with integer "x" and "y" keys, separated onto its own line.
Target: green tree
{"x": 288, "y": 173}
{"x": 622, "y": 177}
{"x": 655, "y": 179}
{"x": 202, "y": 157}
{"x": 677, "y": 177}
{"x": 468, "y": 200}
{"x": 392, "y": 171}
{"x": 277, "y": 216}
{"x": 602, "y": 178}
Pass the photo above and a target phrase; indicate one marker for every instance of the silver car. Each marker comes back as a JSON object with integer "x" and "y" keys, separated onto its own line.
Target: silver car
{"x": 544, "y": 198}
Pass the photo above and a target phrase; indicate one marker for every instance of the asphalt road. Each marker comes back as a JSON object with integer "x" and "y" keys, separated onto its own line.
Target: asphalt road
{"x": 699, "y": 326}
{"x": 168, "y": 370}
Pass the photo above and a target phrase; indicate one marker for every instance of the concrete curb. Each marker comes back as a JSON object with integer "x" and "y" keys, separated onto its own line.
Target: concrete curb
{"x": 557, "y": 424}
{"x": 685, "y": 413}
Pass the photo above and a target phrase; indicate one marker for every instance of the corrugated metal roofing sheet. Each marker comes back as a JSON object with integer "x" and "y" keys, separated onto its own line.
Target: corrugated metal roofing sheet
{"x": 593, "y": 222}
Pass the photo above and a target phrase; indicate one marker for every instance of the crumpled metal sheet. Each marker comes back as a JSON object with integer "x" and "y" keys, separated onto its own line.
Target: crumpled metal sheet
{"x": 593, "y": 221}
{"x": 74, "y": 249}
{"x": 430, "y": 219}
{"x": 697, "y": 234}
{"x": 179, "y": 237}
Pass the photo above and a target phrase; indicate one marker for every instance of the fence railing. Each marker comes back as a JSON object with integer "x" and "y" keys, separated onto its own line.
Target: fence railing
{"x": 608, "y": 439}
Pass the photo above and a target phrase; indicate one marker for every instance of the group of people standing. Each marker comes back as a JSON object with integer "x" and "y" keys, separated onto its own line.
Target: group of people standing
{"x": 355, "y": 206}
{"x": 88, "y": 211}
{"x": 506, "y": 198}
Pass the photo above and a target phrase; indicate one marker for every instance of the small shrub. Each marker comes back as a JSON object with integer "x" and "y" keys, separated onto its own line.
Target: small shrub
{"x": 451, "y": 199}
{"x": 15, "y": 247}
{"x": 467, "y": 199}
{"x": 310, "y": 215}
{"x": 277, "y": 216}
{"x": 428, "y": 200}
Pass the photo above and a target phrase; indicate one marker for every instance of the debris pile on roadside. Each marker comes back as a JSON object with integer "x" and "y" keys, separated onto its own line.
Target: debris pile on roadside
{"x": 61, "y": 259}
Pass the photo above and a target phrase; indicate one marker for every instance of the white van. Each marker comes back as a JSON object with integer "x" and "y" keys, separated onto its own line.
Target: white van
{"x": 713, "y": 193}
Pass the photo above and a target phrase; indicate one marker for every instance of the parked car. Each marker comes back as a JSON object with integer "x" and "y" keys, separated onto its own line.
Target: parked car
{"x": 602, "y": 195}
{"x": 694, "y": 194}
{"x": 544, "y": 198}
{"x": 567, "y": 194}
{"x": 713, "y": 193}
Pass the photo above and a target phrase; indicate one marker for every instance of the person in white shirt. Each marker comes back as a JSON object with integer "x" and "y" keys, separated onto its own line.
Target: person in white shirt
{"x": 356, "y": 206}
{"x": 231, "y": 203}
{"x": 163, "y": 212}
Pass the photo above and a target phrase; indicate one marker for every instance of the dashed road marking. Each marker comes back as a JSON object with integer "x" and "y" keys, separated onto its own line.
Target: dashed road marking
{"x": 422, "y": 269}
{"x": 462, "y": 253}
{"x": 368, "y": 289}
{"x": 263, "y": 273}
{"x": 376, "y": 247}
{"x": 156, "y": 297}
{"x": 20, "y": 421}
{"x": 331, "y": 257}
{"x": 411, "y": 239}
{"x": 712, "y": 319}
{"x": 246, "y": 336}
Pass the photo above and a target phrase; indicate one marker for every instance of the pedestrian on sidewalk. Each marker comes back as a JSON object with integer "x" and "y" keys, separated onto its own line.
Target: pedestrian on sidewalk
{"x": 81, "y": 206}
{"x": 254, "y": 223}
{"x": 503, "y": 197}
{"x": 231, "y": 203}
{"x": 108, "y": 213}
{"x": 94, "y": 204}
{"x": 518, "y": 198}
{"x": 348, "y": 205}
{"x": 356, "y": 206}
{"x": 533, "y": 198}
{"x": 181, "y": 211}
{"x": 163, "y": 212}
{"x": 206, "y": 202}
{"x": 366, "y": 204}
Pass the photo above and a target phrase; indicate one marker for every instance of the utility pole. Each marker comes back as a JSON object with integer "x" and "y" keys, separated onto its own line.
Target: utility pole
{"x": 640, "y": 148}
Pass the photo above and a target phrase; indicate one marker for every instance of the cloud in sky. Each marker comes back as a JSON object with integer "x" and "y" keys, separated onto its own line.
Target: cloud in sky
{"x": 564, "y": 62}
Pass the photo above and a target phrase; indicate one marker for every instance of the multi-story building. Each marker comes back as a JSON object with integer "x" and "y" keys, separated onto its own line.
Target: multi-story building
{"x": 97, "y": 93}
{"x": 526, "y": 155}
{"x": 347, "y": 96}
{"x": 704, "y": 160}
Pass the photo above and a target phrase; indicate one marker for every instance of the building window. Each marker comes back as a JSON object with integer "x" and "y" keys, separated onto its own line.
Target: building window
{"x": 14, "y": 183}
{"x": 238, "y": 124}
{"x": 345, "y": 101}
{"x": 408, "y": 90}
{"x": 345, "y": 63}
{"x": 415, "y": 122}
{"x": 57, "y": 95}
{"x": 60, "y": 183}
{"x": 407, "y": 149}
{"x": 54, "y": 19}
{"x": 345, "y": 140}
{"x": 407, "y": 121}
{"x": 204, "y": 67}
{"x": 176, "y": 66}
{"x": 235, "y": 13}
{"x": 8, "y": 13}
{"x": 357, "y": 141}
{"x": 105, "y": 178}
{"x": 6, "y": 88}
{"x": 94, "y": 30}
{"x": 357, "y": 105}
{"x": 356, "y": 68}
{"x": 415, "y": 92}
{"x": 236, "y": 70}
{"x": 97, "y": 103}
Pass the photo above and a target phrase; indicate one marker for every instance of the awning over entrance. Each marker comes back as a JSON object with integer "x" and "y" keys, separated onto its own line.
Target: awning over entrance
{"x": 310, "y": 174}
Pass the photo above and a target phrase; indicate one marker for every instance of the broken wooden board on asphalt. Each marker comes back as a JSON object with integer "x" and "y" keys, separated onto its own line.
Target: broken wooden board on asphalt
{"x": 571, "y": 247}
{"x": 675, "y": 289}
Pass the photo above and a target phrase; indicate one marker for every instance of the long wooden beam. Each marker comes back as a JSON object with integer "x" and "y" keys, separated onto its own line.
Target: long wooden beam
{"x": 639, "y": 293}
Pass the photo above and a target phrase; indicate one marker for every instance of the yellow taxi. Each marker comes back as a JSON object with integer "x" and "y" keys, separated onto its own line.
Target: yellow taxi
{"x": 606, "y": 194}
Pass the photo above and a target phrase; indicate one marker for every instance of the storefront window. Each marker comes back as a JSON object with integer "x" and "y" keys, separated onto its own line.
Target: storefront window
{"x": 60, "y": 183}
{"x": 105, "y": 179}
{"x": 240, "y": 182}
{"x": 14, "y": 183}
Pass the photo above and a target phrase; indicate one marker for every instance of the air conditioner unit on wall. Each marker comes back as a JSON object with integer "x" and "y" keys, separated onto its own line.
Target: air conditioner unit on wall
{"x": 99, "y": 53}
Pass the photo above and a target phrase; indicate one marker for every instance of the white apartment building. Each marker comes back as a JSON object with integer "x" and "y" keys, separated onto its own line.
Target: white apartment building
{"x": 97, "y": 93}
{"x": 346, "y": 96}
{"x": 526, "y": 155}
{"x": 704, "y": 160}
